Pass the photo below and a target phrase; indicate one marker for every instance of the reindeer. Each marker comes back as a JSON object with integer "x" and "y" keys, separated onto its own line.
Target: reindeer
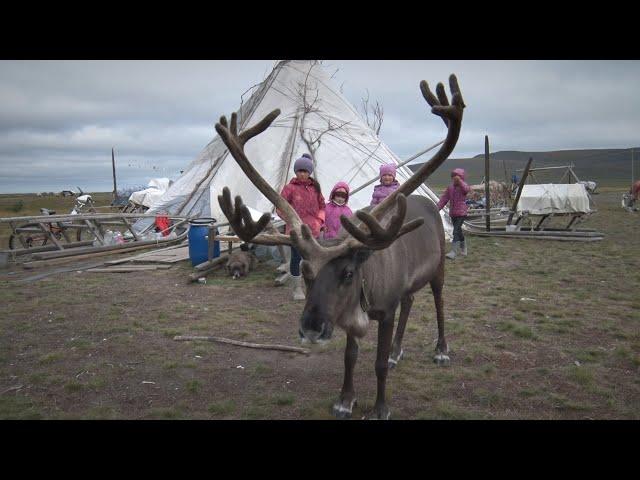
{"x": 375, "y": 265}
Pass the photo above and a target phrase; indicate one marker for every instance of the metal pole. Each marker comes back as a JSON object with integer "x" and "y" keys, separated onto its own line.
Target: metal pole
{"x": 404, "y": 162}
{"x": 113, "y": 165}
{"x": 632, "y": 176}
{"x": 486, "y": 183}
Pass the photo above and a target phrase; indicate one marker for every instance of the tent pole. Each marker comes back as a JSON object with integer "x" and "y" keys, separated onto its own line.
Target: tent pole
{"x": 113, "y": 166}
{"x": 401, "y": 164}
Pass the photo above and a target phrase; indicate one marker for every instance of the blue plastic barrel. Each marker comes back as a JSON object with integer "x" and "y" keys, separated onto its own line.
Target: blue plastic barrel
{"x": 199, "y": 241}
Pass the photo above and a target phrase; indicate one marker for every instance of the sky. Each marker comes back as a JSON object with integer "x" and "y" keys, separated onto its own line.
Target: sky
{"x": 60, "y": 119}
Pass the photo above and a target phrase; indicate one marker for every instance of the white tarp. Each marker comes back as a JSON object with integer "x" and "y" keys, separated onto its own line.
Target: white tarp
{"x": 150, "y": 195}
{"x": 554, "y": 198}
{"x": 348, "y": 149}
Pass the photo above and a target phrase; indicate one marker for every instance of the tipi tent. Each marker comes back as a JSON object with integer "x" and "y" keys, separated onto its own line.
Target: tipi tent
{"x": 316, "y": 118}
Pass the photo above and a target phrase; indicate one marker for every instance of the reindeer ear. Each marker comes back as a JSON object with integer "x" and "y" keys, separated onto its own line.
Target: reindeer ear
{"x": 362, "y": 256}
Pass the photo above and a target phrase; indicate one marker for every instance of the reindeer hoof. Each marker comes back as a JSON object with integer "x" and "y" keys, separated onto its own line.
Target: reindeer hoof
{"x": 340, "y": 410}
{"x": 379, "y": 413}
{"x": 394, "y": 361}
{"x": 442, "y": 360}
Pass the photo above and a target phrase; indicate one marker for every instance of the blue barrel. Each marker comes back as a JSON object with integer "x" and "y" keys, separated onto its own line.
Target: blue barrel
{"x": 199, "y": 241}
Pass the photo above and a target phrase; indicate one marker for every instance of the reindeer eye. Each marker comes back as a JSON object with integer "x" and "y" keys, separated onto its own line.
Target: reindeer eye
{"x": 348, "y": 275}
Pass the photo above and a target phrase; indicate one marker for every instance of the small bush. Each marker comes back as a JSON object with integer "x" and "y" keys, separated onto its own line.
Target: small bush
{"x": 16, "y": 207}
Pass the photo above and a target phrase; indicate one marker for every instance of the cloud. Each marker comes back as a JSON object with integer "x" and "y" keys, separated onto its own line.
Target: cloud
{"x": 60, "y": 119}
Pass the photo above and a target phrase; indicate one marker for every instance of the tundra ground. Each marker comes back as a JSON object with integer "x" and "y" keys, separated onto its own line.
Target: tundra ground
{"x": 537, "y": 330}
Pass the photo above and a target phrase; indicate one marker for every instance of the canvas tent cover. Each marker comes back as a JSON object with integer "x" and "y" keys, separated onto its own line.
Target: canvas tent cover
{"x": 554, "y": 198}
{"x": 315, "y": 118}
{"x": 150, "y": 195}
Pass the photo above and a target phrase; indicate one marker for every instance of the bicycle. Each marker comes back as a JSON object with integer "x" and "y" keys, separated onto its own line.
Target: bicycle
{"x": 84, "y": 204}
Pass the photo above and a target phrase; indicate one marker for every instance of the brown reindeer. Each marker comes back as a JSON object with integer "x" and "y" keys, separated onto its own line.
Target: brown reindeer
{"x": 376, "y": 264}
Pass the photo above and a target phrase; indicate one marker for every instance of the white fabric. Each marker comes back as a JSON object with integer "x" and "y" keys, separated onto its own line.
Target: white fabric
{"x": 350, "y": 151}
{"x": 150, "y": 196}
{"x": 553, "y": 198}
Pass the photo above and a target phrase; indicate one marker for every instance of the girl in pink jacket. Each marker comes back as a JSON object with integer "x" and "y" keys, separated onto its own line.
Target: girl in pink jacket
{"x": 388, "y": 184}
{"x": 455, "y": 195}
{"x": 305, "y": 196}
{"x": 336, "y": 206}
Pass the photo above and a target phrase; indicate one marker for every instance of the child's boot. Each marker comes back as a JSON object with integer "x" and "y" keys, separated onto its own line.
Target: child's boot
{"x": 298, "y": 292}
{"x": 454, "y": 250}
{"x": 463, "y": 248}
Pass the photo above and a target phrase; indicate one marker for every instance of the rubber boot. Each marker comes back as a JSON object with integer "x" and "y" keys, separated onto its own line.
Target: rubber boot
{"x": 454, "y": 250}
{"x": 463, "y": 248}
{"x": 298, "y": 290}
{"x": 283, "y": 279}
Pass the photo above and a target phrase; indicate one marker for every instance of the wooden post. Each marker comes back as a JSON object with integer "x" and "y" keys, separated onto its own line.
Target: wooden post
{"x": 113, "y": 165}
{"x": 19, "y": 235}
{"x": 212, "y": 237}
{"x": 486, "y": 183}
{"x": 51, "y": 236}
{"x": 520, "y": 187}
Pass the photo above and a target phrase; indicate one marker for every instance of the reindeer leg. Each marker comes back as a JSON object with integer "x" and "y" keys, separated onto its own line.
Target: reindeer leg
{"x": 385, "y": 332}
{"x": 396, "y": 348}
{"x": 343, "y": 408}
{"x": 441, "y": 357}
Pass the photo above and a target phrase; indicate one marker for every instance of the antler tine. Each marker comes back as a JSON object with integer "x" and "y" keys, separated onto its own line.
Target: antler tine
{"x": 243, "y": 224}
{"x": 380, "y": 237}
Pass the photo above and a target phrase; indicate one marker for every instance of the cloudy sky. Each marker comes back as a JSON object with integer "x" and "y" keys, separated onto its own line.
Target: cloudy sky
{"x": 60, "y": 119}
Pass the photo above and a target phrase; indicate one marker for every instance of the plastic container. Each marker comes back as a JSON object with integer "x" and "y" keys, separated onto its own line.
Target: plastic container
{"x": 199, "y": 240}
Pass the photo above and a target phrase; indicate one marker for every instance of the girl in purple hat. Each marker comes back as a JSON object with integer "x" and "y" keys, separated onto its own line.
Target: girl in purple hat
{"x": 387, "y": 185}
{"x": 336, "y": 206}
{"x": 305, "y": 196}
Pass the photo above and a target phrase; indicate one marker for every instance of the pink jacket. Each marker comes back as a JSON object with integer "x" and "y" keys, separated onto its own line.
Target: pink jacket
{"x": 380, "y": 192}
{"x": 455, "y": 196}
{"x": 307, "y": 202}
{"x": 333, "y": 212}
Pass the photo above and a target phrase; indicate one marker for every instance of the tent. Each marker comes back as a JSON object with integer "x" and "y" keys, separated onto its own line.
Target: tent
{"x": 554, "y": 198}
{"x": 315, "y": 118}
{"x": 150, "y": 195}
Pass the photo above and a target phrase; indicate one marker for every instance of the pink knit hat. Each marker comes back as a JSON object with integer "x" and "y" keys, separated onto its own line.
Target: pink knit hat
{"x": 388, "y": 169}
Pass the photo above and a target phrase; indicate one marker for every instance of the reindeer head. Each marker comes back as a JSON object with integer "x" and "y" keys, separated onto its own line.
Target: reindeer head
{"x": 332, "y": 269}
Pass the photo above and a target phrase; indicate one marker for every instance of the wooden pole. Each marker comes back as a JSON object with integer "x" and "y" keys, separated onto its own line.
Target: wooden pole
{"x": 404, "y": 162}
{"x": 486, "y": 183}
{"x": 212, "y": 237}
{"x": 113, "y": 165}
{"x": 264, "y": 346}
{"x": 515, "y": 202}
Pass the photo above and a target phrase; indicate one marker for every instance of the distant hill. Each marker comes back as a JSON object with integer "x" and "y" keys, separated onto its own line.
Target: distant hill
{"x": 604, "y": 166}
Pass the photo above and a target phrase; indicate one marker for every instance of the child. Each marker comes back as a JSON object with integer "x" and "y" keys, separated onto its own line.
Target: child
{"x": 305, "y": 196}
{"x": 336, "y": 206}
{"x": 455, "y": 195}
{"x": 387, "y": 185}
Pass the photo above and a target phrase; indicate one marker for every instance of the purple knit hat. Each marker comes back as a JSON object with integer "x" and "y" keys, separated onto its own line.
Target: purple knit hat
{"x": 388, "y": 169}
{"x": 304, "y": 163}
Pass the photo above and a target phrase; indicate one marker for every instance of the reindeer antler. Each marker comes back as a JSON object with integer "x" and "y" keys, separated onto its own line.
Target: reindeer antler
{"x": 369, "y": 233}
{"x": 379, "y": 237}
{"x": 451, "y": 115}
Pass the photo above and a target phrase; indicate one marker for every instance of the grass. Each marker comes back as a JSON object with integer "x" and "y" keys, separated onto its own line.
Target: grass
{"x": 510, "y": 359}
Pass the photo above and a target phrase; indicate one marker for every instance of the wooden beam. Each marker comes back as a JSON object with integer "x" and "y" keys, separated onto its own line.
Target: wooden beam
{"x": 487, "y": 194}
{"x": 520, "y": 187}
{"x": 51, "y": 236}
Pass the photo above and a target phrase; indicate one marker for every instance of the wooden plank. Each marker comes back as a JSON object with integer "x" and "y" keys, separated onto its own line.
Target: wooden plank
{"x": 51, "y": 236}
{"x": 131, "y": 229}
{"x": 520, "y": 187}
